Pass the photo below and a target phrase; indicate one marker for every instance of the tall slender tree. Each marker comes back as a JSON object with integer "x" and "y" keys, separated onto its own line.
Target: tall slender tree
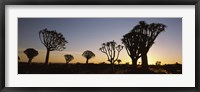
{"x": 111, "y": 49}
{"x": 88, "y": 55}
{"x": 30, "y": 53}
{"x": 52, "y": 41}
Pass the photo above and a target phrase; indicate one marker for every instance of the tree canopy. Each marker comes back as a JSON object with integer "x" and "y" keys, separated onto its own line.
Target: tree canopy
{"x": 88, "y": 55}
{"x": 52, "y": 40}
{"x": 30, "y": 53}
{"x": 68, "y": 58}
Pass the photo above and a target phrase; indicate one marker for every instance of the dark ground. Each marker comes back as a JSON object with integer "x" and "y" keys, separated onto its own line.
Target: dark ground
{"x": 40, "y": 68}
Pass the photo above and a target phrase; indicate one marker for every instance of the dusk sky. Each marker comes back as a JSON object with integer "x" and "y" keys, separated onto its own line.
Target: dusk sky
{"x": 89, "y": 34}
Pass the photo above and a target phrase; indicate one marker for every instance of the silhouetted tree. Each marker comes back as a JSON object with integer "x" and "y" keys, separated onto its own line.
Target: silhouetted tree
{"x": 52, "y": 41}
{"x": 158, "y": 63}
{"x": 88, "y": 55}
{"x": 144, "y": 35}
{"x": 110, "y": 49}
{"x": 150, "y": 32}
{"x": 31, "y": 53}
{"x": 68, "y": 58}
{"x": 132, "y": 44}
{"x": 119, "y": 61}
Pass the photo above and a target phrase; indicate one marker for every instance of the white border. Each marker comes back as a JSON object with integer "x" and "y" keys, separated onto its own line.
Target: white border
{"x": 187, "y": 79}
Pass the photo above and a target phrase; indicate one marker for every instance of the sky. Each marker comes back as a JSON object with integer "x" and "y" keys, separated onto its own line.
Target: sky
{"x": 89, "y": 33}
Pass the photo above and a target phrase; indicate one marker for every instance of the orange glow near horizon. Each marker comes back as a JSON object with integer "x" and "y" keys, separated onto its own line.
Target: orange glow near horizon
{"x": 89, "y": 34}
{"x": 58, "y": 57}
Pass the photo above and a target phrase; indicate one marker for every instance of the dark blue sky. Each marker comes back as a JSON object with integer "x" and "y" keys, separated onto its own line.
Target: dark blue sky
{"x": 89, "y": 33}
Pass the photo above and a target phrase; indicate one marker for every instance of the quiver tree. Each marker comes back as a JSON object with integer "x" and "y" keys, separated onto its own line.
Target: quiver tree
{"x": 132, "y": 44}
{"x": 68, "y": 58}
{"x": 158, "y": 63}
{"x": 88, "y": 55}
{"x": 52, "y": 40}
{"x": 119, "y": 61}
{"x": 112, "y": 50}
{"x": 30, "y": 53}
{"x": 148, "y": 34}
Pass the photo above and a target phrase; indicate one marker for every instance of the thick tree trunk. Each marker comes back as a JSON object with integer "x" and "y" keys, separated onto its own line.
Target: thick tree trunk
{"x": 86, "y": 61}
{"x": 47, "y": 57}
{"x": 29, "y": 60}
{"x": 134, "y": 65}
{"x": 144, "y": 61}
{"x": 113, "y": 67}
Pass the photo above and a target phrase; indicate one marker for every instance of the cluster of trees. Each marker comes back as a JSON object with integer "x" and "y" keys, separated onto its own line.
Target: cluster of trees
{"x": 137, "y": 44}
{"x": 140, "y": 39}
{"x": 31, "y": 53}
{"x": 54, "y": 41}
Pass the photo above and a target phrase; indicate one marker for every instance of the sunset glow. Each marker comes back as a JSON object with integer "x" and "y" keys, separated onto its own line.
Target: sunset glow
{"x": 89, "y": 34}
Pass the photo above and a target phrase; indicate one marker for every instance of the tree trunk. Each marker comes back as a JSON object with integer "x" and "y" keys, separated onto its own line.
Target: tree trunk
{"x": 47, "y": 57}
{"x": 86, "y": 61}
{"x": 29, "y": 60}
{"x": 144, "y": 61}
{"x": 113, "y": 68}
{"x": 134, "y": 65}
